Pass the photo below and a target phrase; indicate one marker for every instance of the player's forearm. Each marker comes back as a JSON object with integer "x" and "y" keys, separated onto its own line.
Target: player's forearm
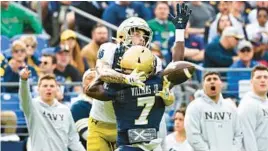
{"x": 97, "y": 92}
{"x": 178, "y": 52}
{"x": 107, "y": 74}
{"x": 111, "y": 76}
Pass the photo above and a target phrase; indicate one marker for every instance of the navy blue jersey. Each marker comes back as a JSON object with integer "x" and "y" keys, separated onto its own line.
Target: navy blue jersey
{"x": 136, "y": 108}
{"x": 80, "y": 111}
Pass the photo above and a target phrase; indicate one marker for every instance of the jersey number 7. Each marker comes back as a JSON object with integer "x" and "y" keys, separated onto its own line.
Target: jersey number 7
{"x": 149, "y": 103}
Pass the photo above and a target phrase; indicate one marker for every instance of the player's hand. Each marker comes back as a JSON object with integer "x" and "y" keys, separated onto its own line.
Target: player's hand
{"x": 25, "y": 73}
{"x": 183, "y": 13}
{"x": 167, "y": 96}
{"x": 136, "y": 79}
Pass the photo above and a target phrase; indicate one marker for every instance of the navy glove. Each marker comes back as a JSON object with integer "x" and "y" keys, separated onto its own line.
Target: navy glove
{"x": 183, "y": 13}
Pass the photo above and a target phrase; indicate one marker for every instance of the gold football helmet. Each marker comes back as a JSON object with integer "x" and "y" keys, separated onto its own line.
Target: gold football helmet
{"x": 140, "y": 58}
{"x": 128, "y": 26}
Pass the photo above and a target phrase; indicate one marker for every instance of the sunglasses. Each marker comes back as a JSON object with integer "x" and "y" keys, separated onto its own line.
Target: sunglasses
{"x": 33, "y": 46}
{"x": 19, "y": 50}
{"x": 246, "y": 49}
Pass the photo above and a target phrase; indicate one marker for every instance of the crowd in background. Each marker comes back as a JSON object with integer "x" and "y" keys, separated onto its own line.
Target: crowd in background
{"x": 219, "y": 35}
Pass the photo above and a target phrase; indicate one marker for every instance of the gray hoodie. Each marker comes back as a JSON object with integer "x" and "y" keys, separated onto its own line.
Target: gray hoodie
{"x": 212, "y": 127}
{"x": 51, "y": 128}
{"x": 253, "y": 113}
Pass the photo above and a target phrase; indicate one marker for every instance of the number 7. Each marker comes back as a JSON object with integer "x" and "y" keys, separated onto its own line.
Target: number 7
{"x": 149, "y": 103}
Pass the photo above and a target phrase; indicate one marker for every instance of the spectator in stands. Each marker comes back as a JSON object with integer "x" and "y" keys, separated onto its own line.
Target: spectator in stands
{"x": 252, "y": 16}
{"x": 260, "y": 47}
{"x": 177, "y": 139}
{"x": 211, "y": 122}
{"x": 65, "y": 69}
{"x": 32, "y": 57}
{"x": 221, "y": 53}
{"x": 261, "y": 25}
{"x": 162, "y": 28}
{"x": 238, "y": 11}
{"x": 224, "y": 8}
{"x": 14, "y": 19}
{"x": 118, "y": 11}
{"x": 245, "y": 53}
{"x": 90, "y": 51}
{"x": 50, "y": 124}
{"x": 82, "y": 24}
{"x": 16, "y": 63}
{"x": 223, "y": 22}
{"x": 68, "y": 38}
{"x": 9, "y": 125}
{"x": 201, "y": 13}
{"x": 48, "y": 65}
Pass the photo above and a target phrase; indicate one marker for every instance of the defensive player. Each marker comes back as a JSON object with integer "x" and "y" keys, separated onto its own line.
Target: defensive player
{"x": 101, "y": 124}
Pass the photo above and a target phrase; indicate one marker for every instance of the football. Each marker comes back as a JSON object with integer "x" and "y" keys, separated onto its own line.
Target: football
{"x": 179, "y": 71}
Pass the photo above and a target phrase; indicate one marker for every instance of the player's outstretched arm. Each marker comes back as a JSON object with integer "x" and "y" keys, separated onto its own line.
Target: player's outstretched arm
{"x": 96, "y": 91}
{"x": 109, "y": 75}
{"x": 180, "y": 21}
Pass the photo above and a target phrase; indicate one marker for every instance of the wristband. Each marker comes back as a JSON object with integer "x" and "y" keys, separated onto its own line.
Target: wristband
{"x": 179, "y": 35}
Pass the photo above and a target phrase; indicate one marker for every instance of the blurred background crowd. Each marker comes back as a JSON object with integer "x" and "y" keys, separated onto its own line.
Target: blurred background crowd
{"x": 64, "y": 37}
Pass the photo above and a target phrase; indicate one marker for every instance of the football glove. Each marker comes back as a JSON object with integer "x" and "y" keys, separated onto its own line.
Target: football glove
{"x": 167, "y": 96}
{"x": 136, "y": 79}
{"x": 183, "y": 13}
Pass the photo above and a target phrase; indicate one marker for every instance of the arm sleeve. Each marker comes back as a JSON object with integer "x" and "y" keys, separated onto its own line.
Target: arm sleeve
{"x": 217, "y": 57}
{"x": 106, "y": 53}
{"x": 80, "y": 116}
{"x": 25, "y": 98}
{"x": 33, "y": 21}
{"x": 193, "y": 129}
{"x": 73, "y": 141}
{"x": 247, "y": 116}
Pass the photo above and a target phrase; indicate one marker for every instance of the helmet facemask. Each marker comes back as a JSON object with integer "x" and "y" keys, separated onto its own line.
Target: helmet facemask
{"x": 143, "y": 30}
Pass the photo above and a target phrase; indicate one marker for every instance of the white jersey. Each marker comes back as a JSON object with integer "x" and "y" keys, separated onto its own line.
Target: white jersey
{"x": 102, "y": 111}
{"x": 253, "y": 113}
{"x": 50, "y": 127}
{"x": 170, "y": 144}
{"x": 211, "y": 126}
{"x": 107, "y": 51}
